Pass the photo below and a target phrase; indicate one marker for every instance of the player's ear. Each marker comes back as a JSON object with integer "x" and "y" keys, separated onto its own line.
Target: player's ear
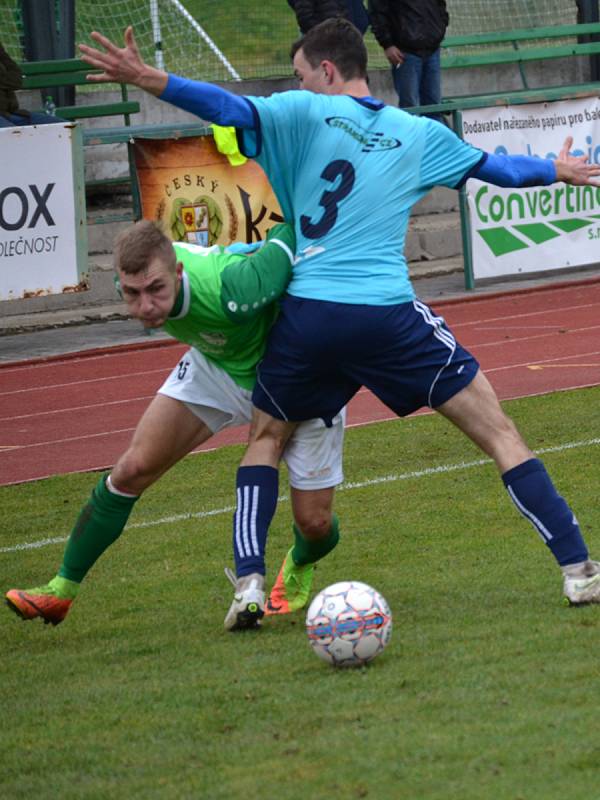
{"x": 329, "y": 70}
{"x": 179, "y": 269}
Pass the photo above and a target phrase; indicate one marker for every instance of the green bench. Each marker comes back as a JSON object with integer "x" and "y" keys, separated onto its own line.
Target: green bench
{"x": 49, "y": 76}
{"x": 519, "y": 47}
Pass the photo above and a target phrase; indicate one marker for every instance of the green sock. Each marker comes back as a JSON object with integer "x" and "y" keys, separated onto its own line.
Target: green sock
{"x": 305, "y": 552}
{"x": 100, "y": 523}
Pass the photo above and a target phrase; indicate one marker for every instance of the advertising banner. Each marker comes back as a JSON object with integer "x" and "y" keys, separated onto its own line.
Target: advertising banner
{"x": 538, "y": 228}
{"x": 43, "y": 243}
{"x": 193, "y": 190}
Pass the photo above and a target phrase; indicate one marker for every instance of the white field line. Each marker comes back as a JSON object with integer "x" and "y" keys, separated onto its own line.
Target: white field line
{"x": 201, "y": 449}
{"x": 78, "y": 408}
{"x": 423, "y": 411}
{"x": 516, "y": 340}
{"x": 363, "y": 390}
{"x": 552, "y": 360}
{"x": 392, "y": 478}
{"x": 453, "y": 327}
{"x": 75, "y": 358}
{"x": 125, "y": 376}
{"x": 526, "y": 364}
{"x": 524, "y": 314}
{"x": 130, "y": 375}
{"x": 70, "y": 439}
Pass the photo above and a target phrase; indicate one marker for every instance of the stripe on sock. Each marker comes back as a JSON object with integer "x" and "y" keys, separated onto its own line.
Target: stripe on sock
{"x": 544, "y": 533}
{"x": 246, "y": 538}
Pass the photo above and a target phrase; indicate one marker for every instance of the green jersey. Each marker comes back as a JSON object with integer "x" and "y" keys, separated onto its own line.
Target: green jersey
{"x": 226, "y": 307}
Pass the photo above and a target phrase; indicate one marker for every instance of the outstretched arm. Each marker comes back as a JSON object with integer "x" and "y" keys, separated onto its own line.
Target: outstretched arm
{"x": 125, "y": 65}
{"x": 518, "y": 171}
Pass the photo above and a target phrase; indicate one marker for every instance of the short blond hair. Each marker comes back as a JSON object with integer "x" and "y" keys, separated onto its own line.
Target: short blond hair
{"x": 139, "y": 244}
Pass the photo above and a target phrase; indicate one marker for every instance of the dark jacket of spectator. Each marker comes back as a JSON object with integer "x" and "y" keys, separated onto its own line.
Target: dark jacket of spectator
{"x": 414, "y": 26}
{"x": 310, "y": 12}
{"x": 10, "y": 80}
{"x": 11, "y": 115}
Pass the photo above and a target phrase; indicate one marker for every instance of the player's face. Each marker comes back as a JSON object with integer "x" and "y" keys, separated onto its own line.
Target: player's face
{"x": 314, "y": 79}
{"x": 150, "y": 295}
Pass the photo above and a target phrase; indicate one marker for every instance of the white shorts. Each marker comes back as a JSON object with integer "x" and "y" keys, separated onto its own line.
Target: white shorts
{"x": 314, "y": 453}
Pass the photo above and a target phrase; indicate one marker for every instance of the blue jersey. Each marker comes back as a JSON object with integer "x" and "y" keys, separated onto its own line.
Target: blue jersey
{"x": 349, "y": 171}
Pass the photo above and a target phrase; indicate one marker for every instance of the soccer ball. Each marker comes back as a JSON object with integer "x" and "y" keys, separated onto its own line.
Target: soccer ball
{"x": 348, "y": 624}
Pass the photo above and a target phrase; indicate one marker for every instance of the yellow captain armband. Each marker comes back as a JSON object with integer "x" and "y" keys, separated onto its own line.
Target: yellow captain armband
{"x": 226, "y": 141}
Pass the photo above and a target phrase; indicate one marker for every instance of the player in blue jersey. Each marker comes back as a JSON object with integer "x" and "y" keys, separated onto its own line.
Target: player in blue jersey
{"x": 348, "y": 170}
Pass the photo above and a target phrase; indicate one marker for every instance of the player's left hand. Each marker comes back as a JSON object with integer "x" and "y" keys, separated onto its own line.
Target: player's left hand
{"x": 575, "y": 169}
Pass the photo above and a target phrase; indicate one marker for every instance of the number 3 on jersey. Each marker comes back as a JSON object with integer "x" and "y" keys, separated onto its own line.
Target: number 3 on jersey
{"x": 330, "y": 199}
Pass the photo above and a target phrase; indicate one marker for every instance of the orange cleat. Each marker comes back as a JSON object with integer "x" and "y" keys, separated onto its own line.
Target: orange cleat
{"x": 291, "y": 589}
{"x": 39, "y": 602}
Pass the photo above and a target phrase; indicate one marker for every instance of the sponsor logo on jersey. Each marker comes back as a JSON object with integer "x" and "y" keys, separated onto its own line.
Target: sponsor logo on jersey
{"x": 372, "y": 141}
{"x": 211, "y": 343}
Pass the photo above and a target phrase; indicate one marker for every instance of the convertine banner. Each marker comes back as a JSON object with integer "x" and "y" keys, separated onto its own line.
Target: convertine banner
{"x": 193, "y": 190}
{"x": 516, "y": 231}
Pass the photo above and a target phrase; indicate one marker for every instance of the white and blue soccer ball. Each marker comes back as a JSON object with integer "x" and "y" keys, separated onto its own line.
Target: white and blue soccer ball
{"x": 348, "y": 624}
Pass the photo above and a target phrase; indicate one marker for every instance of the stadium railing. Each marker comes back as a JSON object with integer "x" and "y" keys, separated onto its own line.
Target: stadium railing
{"x": 520, "y": 47}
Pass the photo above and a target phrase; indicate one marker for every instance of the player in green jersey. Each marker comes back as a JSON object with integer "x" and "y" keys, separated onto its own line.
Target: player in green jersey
{"x": 222, "y": 304}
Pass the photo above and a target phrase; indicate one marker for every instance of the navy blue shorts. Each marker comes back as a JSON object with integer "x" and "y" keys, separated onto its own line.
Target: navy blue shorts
{"x": 320, "y": 353}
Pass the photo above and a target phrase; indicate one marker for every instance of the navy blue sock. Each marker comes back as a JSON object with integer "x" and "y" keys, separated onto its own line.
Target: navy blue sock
{"x": 257, "y": 489}
{"x": 533, "y": 493}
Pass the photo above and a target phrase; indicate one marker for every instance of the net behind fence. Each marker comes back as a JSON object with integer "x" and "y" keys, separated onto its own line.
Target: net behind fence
{"x": 215, "y": 40}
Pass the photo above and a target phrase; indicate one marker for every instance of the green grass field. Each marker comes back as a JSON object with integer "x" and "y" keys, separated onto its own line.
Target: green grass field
{"x": 488, "y": 689}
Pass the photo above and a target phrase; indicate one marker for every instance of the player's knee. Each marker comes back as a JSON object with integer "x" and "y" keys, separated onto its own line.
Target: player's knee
{"x": 313, "y": 524}
{"x": 132, "y": 473}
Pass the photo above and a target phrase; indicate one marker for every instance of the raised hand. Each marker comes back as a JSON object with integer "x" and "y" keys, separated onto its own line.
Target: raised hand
{"x": 575, "y": 169}
{"x": 122, "y": 64}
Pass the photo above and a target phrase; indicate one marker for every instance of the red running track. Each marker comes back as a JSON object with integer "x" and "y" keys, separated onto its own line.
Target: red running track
{"x": 75, "y": 413}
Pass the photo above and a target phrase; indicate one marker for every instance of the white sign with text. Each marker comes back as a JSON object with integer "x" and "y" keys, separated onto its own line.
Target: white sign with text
{"x": 538, "y": 228}
{"x": 40, "y": 216}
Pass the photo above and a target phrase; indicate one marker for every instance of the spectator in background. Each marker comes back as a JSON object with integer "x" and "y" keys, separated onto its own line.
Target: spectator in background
{"x": 410, "y": 33}
{"x": 310, "y": 12}
{"x": 357, "y": 14}
{"x": 10, "y": 113}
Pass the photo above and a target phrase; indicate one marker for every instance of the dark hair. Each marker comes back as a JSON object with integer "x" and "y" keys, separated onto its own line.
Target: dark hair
{"x": 136, "y": 246}
{"x": 336, "y": 40}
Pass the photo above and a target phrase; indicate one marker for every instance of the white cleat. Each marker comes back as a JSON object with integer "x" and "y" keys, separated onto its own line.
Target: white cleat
{"x": 248, "y": 605}
{"x": 582, "y": 583}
